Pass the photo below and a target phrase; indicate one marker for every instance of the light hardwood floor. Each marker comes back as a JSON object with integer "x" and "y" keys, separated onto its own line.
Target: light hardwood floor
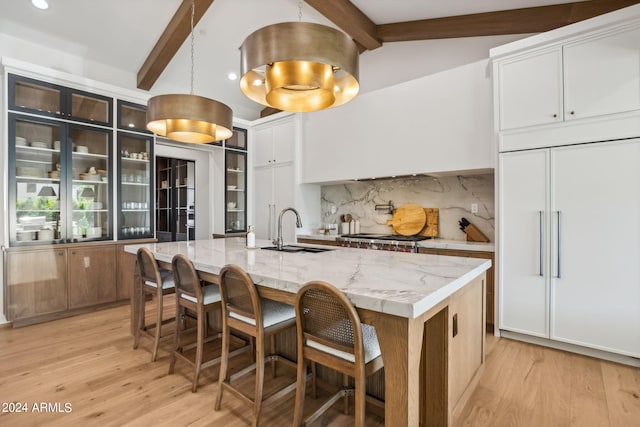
{"x": 88, "y": 362}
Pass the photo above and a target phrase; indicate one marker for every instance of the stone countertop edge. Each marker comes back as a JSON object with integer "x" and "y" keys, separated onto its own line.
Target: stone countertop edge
{"x": 421, "y": 280}
{"x": 428, "y": 243}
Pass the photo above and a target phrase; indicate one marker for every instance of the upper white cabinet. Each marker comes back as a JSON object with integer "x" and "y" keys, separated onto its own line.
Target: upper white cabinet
{"x": 602, "y": 75}
{"x": 573, "y": 85}
{"x": 530, "y": 89}
{"x": 275, "y": 143}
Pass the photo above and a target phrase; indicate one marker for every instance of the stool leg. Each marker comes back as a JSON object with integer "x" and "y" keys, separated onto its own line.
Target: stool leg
{"x": 300, "y": 389}
{"x": 140, "y": 318}
{"x": 359, "y": 393}
{"x": 176, "y": 340}
{"x": 156, "y": 341}
{"x": 257, "y": 402}
{"x": 314, "y": 383}
{"x": 224, "y": 359}
{"x": 199, "y": 349}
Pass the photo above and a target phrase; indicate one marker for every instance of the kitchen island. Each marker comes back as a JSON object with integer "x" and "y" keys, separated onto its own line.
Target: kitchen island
{"x": 428, "y": 311}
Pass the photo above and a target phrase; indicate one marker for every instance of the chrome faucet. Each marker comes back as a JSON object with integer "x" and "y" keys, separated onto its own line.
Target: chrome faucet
{"x": 278, "y": 240}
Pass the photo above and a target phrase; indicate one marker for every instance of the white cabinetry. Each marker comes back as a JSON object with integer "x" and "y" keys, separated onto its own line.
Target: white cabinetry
{"x": 570, "y": 244}
{"x": 530, "y": 89}
{"x": 274, "y": 174}
{"x": 569, "y": 90}
{"x": 602, "y": 75}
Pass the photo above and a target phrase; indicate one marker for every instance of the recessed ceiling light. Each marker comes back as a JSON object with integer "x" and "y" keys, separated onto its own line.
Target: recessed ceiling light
{"x": 40, "y": 4}
{"x": 232, "y": 76}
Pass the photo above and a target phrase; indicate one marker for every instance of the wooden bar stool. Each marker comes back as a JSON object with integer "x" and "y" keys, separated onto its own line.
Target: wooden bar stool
{"x": 330, "y": 333}
{"x": 244, "y": 311}
{"x": 156, "y": 282}
{"x": 192, "y": 296}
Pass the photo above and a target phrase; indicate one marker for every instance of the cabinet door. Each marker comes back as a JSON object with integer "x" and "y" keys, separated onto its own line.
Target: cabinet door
{"x": 263, "y": 207}
{"x": 595, "y": 301}
{"x": 92, "y": 276}
{"x": 36, "y": 283}
{"x": 602, "y": 75}
{"x": 283, "y": 197}
{"x": 284, "y": 136}
{"x": 530, "y": 90}
{"x": 135, "y": 202}
{"x": 263, "y": 146}
{"x": 523, "y": 235}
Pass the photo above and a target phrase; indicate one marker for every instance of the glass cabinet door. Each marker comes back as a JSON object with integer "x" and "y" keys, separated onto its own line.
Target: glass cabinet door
{"x": 235, "y": 194}
{"x": 46, "y": 99}
{"x": 90, "y": 108}
{"x": 36, "y": 181}
{"x": 135, "y": 186}
{"x": 132, "y": 117}
{"x": 238, "y": 139}
{"x": 35, "y": 96}
{"x": 91, "y": 194}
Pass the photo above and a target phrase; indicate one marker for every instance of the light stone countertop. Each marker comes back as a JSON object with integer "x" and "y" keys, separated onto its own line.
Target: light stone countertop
{"x": 429, "y": 243}
{"x": 403, "y": 284}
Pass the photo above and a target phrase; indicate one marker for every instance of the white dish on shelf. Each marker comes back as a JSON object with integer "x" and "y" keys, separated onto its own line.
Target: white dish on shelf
{"x": 45, "y": 234}
{"x": 29, "y": 171}
{"x": 231, "y": 187}
{"x": 40, "y": 144}
{"x": 21, "y": 142}
{"x": 82, "y": 149}
{"x": 90, "y": 177}
{"x": 56, "y": 145}
{"x": 25, "y": 236}
{"x": 231, "y": 205}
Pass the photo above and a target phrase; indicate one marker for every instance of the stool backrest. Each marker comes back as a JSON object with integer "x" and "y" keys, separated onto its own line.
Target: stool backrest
{"x": 148, "y": 266}
{"x": 239, "y": 294}
{"x": 325, "y": 315}
{"x": 185, "y": 277}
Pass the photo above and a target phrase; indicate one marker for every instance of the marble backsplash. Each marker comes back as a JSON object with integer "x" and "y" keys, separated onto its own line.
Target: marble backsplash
{"x": 453, "y": 195}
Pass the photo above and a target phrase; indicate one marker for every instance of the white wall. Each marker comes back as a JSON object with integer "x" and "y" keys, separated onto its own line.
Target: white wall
{"x": 442, "y": 122}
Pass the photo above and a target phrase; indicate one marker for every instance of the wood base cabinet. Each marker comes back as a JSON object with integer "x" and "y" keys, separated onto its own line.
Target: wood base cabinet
{"x": 570, "y": 244}
{"x": 92, "y": 276}
{"x": 36, "y": 282}
{"x": 43, "y": 284}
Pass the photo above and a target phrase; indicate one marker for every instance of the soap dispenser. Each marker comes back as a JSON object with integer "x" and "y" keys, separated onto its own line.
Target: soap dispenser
{"x": 251, "y": 237}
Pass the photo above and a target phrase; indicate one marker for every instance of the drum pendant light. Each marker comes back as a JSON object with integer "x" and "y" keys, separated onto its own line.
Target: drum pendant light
{"x": 189, "y": 118}
{"x": 299, "y": 66}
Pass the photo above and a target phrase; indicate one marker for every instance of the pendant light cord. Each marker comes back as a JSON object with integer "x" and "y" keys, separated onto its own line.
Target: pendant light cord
{"x": 193, "y": 12}
{"x": 299, "y": 11}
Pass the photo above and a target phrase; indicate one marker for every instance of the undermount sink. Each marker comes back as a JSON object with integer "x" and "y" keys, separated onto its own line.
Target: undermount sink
{"x": 293, "y": 248}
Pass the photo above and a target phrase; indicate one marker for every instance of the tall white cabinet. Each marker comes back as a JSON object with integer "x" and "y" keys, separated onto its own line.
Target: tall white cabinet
{"x": 570, "y": 244}
{"x": 567, "y": 120}
{"x": 276, "y": 184}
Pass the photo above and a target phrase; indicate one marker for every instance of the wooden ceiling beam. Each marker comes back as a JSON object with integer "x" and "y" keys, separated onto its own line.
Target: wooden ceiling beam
{"x": 350, "y": 19}
{"x": 516, "y": 21}
{"x": 170, "y": 41}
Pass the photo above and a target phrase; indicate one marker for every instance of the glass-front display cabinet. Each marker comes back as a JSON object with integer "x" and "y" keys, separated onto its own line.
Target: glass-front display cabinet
{"x": 135, "y": 194}
{"x": 60, "y": 190}
{"x": 236, "y": 191}
{"x": 175, "y": 199}
{"x": 46, "y": 99}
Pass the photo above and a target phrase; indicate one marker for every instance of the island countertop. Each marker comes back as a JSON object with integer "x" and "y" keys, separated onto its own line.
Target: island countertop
{"x": 402, "y": 284}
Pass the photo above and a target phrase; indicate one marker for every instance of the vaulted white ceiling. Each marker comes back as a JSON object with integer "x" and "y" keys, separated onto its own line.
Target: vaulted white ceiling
{"x": 121, "y": 33}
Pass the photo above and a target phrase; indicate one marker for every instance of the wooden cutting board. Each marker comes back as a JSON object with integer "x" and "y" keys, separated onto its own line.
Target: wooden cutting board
{"x": 431, "y": 227}
{"x": 408, "y": 219}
